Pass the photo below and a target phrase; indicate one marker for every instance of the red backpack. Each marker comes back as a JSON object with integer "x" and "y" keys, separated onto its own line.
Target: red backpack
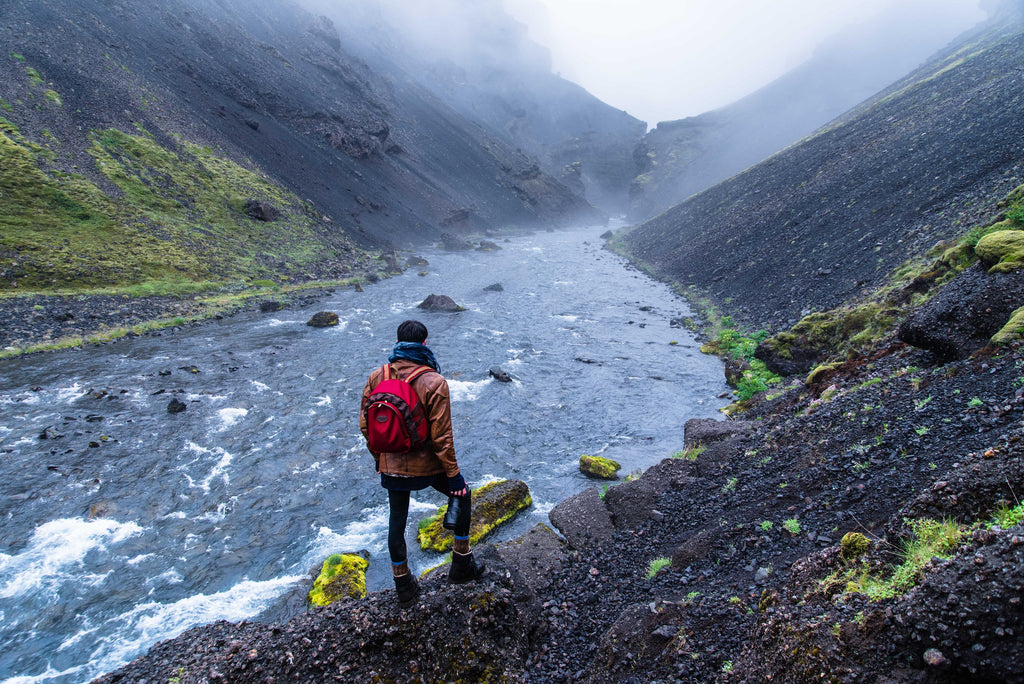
{"x": 395, "y": 420}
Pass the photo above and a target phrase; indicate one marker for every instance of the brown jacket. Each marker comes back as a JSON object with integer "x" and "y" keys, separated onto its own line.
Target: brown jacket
{"x": 438, "y": 455}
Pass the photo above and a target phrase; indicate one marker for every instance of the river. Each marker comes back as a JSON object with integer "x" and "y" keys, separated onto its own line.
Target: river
{"x": 124, "y": 524}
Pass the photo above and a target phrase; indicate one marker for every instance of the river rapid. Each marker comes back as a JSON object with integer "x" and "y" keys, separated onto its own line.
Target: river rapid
{"x": 124, "y": 524}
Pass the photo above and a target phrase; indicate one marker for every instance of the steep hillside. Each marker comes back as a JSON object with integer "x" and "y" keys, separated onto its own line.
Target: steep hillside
{"x": 680, "y": 158}
{"x": 195, "y": 141}
{"x": 481, "y": 62}
{"x": 919, "y": 164}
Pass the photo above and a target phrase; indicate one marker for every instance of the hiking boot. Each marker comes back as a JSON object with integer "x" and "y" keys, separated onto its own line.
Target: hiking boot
{"x": 464, "y": 569}
{"x": 407, "y": 589}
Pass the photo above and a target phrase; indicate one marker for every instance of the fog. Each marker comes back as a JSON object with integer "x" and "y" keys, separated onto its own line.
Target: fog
{"x": 668, "y": 59}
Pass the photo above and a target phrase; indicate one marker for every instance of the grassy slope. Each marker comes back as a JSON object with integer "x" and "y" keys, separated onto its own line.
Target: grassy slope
{"x": 178, "y": 220}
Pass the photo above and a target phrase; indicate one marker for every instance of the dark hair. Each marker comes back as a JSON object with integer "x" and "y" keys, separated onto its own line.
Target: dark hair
{"x": 412, "y": 331}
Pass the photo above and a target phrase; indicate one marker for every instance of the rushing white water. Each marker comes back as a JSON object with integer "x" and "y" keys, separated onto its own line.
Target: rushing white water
{"x": 124, "y": 524}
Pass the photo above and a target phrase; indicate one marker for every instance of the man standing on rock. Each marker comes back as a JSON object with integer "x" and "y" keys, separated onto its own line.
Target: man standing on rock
{"x": 432, "y": 464}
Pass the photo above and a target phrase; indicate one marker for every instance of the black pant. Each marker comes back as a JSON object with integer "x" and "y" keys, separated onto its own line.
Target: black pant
{"x": 399, "y": 505}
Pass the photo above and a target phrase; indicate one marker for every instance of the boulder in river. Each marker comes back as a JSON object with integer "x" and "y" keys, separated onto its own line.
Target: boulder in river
{"x": 599, "y": 467}
{"x": 270, "y": 306}
{"x": 453, "y": 243}
{"x": 496, "y": 287}
{"x": 323, "y": 319}
{"x": 493, "y": 505}
{"x": 176, "y": 406}
{"x": 341, "y": 575}
{"x": 440, "y": 303}
{"x": 499, "y": 374}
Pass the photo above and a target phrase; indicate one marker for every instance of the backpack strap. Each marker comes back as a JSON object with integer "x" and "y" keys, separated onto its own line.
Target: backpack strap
{"x": 417, "y": 373}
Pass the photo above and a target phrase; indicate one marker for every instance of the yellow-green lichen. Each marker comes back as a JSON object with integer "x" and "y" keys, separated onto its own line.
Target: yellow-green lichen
{"x": 342, "y": 575}
{"x": 1002, "y": 250}
{"x": 494, "y": 504}
{"x": 853, "y": 544}
{"x": 599, "y": 467}
{"x": 1012, "y": 331}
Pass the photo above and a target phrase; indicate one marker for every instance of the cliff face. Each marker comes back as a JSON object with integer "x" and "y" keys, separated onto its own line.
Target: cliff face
{"x": 680, "y": 158}
{"x": 919, "y": 163}
{"x": 270, "y": 86}
{"x": 481, "y": 62}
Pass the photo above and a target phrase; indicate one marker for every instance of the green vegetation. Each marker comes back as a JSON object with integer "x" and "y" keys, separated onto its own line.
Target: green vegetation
{"x": 599, "y": 467}
{"x": 767, "y": 525}
{"x": 1007, "y": 516}
{"x": 179, "y": 221}
{"x": 1003, "y": 250}
{"x": 931, "y": 539}
{"x": 792, "y": 525}
{"x": 493, "y": 504}
{"x": 690, "y": 453}
{"x": 734, "y": 345}
{"x": 341, "y": 575}
{"x": 1012, "y": 331}
{"x": 657, "y": 565}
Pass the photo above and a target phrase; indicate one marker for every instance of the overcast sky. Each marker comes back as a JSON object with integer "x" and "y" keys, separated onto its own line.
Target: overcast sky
{"x": 668, "y": 59}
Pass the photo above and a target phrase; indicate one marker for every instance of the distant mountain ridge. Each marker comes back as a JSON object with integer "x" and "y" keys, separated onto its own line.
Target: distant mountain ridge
{"x": 481, "y": 62}
{"x": 680, "y": 158}
{"x": 812, "y": 226}
{"x": 269, "y": 86}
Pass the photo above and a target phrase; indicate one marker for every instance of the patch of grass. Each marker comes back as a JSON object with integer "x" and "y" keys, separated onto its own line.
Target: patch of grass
{"x": 767, "y": 525}
{"x": 730, "y": 485}
{"x": 657, "y": 565}
{"x": 173, "y": 226}
{"x": 792, "y": 525}
{"x": 1007, "y": 516}
{"x": 932, "y": 539}
{"x": 690, "y": 453}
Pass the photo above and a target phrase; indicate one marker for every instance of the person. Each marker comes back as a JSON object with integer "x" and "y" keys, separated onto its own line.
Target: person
{"x": 434, "y": 465}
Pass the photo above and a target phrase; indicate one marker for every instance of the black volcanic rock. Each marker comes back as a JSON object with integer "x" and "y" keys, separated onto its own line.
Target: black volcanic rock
{"x": 323, "y": 319}
{"x": 814, "y": 225}
{"x": 273, "y": 87}
{"x": 968, "y": 311}
{"x": 440, "y": 303}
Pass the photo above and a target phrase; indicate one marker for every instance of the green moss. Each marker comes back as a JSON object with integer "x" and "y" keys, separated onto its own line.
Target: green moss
{"x": 342, "y": 575}
{"x": 853, "y": 545}
{"x": 932, "y": 539}
{"x": 599, "y": 467}
{"x": 177, "y": 221}
{"x": 1002, "y": 250}
{"x": 1012, "y": 331}
{"x": 494, "y": 504}
{"x": 657, "y": 565}
{"x": 34, "y": 76}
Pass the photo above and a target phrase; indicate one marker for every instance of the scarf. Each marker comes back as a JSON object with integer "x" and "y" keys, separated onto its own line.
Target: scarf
{"x": 415, "y": 352}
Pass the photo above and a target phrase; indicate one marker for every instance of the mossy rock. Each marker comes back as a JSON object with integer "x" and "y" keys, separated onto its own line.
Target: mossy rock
{"x": 599, "y": 467}
{"x": 323, "y": 319}
{"x": 1012, "y": 331}
{"x": 342, "y": 575}
{"x": 853, "y": 544}
{"x": 1003, "y": 250}
{"x": 493, "y": 505}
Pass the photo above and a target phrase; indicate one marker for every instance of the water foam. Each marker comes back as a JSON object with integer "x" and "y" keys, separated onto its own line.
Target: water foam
{"x": 148, "y": 623}
{"x": 466, "y": 391}
{"x": 230, "y": 416}
{"x": 53, "y": 548}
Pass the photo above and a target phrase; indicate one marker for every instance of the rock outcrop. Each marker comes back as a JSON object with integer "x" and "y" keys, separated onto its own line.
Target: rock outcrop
{"x": 440, "y": 303}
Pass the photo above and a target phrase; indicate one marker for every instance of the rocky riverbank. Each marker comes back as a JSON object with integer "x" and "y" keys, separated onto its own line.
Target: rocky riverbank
{"x": 726, "y": 563}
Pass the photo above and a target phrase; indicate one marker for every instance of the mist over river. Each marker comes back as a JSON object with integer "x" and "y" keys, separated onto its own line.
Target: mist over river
{"x": 124, "y": 524}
